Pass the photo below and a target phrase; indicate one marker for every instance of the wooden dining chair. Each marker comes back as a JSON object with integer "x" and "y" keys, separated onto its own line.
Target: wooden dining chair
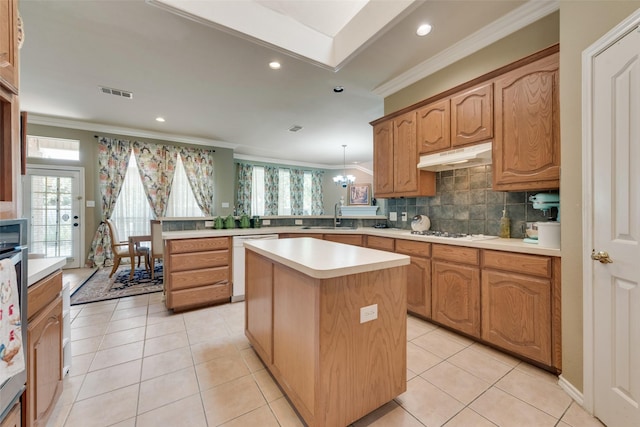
{"x": 120, "y": 249}
{"x": 157, "y": 250}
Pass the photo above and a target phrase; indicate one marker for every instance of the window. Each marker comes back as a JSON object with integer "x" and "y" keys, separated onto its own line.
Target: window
{"x": 182, "y": 202}
{"x": 132, "y": 213}
{"x": 257, "y": 191}
{"x": 53, "y": 148}
{"x": 284, "y": 192}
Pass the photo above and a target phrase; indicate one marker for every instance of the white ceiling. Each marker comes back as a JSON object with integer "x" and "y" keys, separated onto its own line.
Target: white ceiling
{"x": 215, "y": 88}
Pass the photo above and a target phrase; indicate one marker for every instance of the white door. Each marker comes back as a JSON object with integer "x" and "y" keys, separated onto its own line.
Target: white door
{"x": 616, "y": 231}
{"x": 52, "y": 202}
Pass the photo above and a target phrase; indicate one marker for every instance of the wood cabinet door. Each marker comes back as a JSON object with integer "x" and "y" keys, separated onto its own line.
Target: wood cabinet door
{"x": 516, "y": 314}
{"x": 434, "y": 127}
{"x": 9, "y": 44}
{"x": 419, "y": 287}
{"x": 456, "y": 296}
{"x": 44, "y": 363}
{"x": 259, "y": 304}
{"x": 472, "y": 115}
{"x": 383, "y": 158}
{"x": 526, "y": 148}
{"x": 14, "y": 417}
{"x": 405, "y": 154}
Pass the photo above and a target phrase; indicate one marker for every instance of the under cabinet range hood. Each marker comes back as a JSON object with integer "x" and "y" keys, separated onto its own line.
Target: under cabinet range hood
{"x": 465, "y": 157}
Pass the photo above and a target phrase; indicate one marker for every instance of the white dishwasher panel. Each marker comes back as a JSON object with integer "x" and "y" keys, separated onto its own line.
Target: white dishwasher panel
{"x": 238, "y": 262}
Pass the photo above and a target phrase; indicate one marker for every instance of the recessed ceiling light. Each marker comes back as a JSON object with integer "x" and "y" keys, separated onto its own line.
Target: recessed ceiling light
{"x": 423, "y": 30}
{"x": 338, "y": 89}
{"x": 160, "y": 119}
{"x": 295, "y": 128}
{"x": 275, "y": 65}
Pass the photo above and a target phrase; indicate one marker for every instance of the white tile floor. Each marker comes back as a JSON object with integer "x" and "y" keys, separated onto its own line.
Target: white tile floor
{"x": 137, "y": 364}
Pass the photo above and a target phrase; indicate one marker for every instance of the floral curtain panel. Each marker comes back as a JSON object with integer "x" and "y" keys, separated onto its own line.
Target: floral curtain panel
{"x": 296, "y": 187}
{"x": 245, "y": 181}
{"x": 317, "y": 202}
{"x": 113, "y": 157}
{"x": 157, "y": 165}
{"x": 271, "y": 180}
{"x": 198, "y": 165}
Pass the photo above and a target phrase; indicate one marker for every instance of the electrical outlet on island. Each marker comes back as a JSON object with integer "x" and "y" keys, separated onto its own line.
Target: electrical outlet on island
{"x": 368, "y": 313}
{"x": 298, "y": 222}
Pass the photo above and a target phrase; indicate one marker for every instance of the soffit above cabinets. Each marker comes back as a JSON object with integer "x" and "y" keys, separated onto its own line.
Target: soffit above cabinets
{"x": 327, "y": 33}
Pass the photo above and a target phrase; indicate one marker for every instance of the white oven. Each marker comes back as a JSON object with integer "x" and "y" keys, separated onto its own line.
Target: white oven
{"x": 238, "y": 262}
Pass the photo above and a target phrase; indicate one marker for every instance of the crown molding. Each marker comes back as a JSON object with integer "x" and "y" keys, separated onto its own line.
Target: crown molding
{"x": 526, "y": 14}
{"x": 38, "y": 119}
{"x": 295, "y": 163}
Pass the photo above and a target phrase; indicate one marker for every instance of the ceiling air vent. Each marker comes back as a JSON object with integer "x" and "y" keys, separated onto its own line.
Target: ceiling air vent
{"x": 295, "y": 128}
{"x": 116, "y": 92}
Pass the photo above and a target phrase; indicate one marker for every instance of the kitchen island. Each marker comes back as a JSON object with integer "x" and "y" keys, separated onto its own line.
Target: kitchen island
{"x": 329, "y": 322}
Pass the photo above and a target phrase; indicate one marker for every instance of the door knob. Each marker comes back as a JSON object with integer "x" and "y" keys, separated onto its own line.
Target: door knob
{"x": 601, "y": 256}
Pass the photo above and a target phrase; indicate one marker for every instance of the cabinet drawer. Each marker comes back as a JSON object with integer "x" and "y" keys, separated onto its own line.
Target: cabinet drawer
{"x": 518, "y": 263}
{"x": 196, "y": 278}
{"x": 409, "y": 247}
{"x": 456, "y": 254}
{"x": 204, "y": 295}
{"x": 198, "y": 260}
{"x": 381, "y": 243}
{"x": 40, "y": 294}
{"x": 197, "y": 245}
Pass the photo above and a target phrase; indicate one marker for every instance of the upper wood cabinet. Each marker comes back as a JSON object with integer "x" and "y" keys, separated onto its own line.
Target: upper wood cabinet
{"x": 472, "y": 115}
{"x": 9, "y": 110}
{"x": 395, "y": 160}
{"x": 434, "y": 129}
{"x": 465, "y": 118}
{"x": 9, "y": 44}
{"x": 526, "y": 148}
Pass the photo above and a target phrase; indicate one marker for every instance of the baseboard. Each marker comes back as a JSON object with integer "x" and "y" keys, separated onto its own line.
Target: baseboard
{"x": 570, "y": 389}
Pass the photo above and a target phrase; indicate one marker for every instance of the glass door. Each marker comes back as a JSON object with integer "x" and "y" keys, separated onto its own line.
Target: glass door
{"x": 52, "y": 202}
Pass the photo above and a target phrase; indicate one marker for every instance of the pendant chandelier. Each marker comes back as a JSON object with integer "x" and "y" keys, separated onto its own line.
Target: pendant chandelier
{"x": 344, "y": 179}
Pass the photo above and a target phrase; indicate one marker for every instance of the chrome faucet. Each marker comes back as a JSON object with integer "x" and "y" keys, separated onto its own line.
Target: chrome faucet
{"x": 336, "y": 214}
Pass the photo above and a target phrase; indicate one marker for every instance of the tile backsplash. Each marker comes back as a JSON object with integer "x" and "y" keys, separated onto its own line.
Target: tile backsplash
{"x": 465, "y": 203}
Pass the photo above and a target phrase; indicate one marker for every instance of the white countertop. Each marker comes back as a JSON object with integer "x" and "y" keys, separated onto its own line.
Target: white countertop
{"x": 39, "y": 268}
{"x": 509, "y": 245}
{"x": 322, "y": 259}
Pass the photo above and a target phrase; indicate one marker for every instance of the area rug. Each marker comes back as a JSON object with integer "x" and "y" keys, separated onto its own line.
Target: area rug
{"x": 100, "y": 287}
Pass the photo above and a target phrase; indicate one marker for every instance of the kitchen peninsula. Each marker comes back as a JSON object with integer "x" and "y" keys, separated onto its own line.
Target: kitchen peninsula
{"x": 329, "y": 322}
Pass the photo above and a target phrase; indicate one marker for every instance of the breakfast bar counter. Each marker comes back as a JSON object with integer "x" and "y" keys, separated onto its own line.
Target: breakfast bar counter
{"x": 329, "y": 322}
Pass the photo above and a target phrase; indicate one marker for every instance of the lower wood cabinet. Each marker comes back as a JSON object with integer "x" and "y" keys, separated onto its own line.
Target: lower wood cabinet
{"x": 44, "y": 349}
{"x": 14, "y": 417}
{"x": 418, "y": 276}
{"x": 348, "y": 239}
{"x": 259, "y": 305}
{"x": 456, "y": 288}
{"x": 521, "y": 305}
{"x": 197, "y": 272}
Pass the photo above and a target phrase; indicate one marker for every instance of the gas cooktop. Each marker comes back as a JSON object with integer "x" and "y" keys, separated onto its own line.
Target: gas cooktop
{"x": 447, "y": 235}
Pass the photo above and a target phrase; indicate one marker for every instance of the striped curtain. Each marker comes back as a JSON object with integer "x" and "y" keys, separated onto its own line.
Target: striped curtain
{"x": 244, "y": 193}
{"x": 317, "y": 203}
{"x": 271, "y": 181}
{"x": 156, "y": 165}
{"x": 113, "y": 158}
{"x": 296, "y": 188}
{"x": 198, "y": 165}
